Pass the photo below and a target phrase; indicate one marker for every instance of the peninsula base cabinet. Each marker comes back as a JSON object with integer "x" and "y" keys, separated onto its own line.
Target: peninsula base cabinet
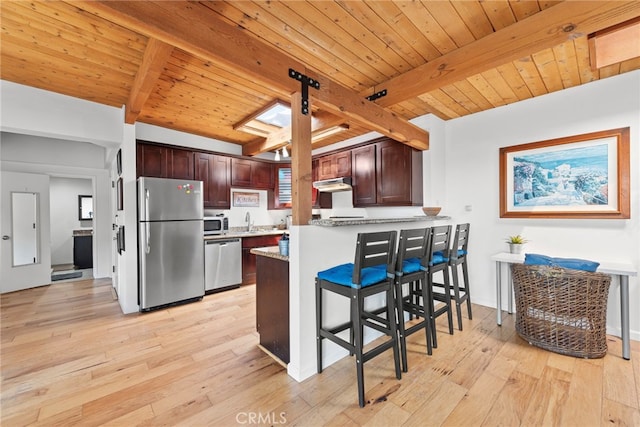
{"x": 272, "y": 305}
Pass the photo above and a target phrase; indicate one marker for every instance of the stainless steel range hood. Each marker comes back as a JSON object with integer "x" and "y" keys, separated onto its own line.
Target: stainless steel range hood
{"x": 333, "y": 185}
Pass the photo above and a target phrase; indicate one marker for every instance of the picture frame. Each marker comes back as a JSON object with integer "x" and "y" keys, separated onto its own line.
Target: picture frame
{"x": 119, "y": 195}
{"x": 577, "y": 177}
{"x": 246, "y": 199}
{"x": 119, "y": 162}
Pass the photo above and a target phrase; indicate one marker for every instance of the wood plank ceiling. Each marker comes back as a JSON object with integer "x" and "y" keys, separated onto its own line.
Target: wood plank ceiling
{"x": 447, "y": 58}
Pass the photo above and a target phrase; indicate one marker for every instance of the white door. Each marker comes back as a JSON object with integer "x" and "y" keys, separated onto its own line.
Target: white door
{"x": 25, "y": 258}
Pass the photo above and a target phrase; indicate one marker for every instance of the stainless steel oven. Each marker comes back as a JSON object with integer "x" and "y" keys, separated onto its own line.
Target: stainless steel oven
{"x": 216, "y": 225}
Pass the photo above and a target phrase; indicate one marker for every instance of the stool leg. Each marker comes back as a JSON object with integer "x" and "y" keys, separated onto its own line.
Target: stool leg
{"x": 427, "y": 318}
{"x": 401, "y": 331}
{"x": 318, "y": 326}
{"x": 456, "y": 292}
{"x": 393, "y": 329}
{"x": 356, "y": 326}
{"x": 447, "y": 297}
{"x": 465, "y": 276}
{"x": 432, "y": 309}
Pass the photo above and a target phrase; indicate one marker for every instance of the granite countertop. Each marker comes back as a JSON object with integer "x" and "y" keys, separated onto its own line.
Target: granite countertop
{"x": 82, "y": 232}
{"x": 240, "y": 234}
{"x": 358, "y": 221}
{"x": 271, "y": 252}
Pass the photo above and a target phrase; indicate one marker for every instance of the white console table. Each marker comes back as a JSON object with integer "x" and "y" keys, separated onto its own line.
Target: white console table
{"x": 623, "y": 271}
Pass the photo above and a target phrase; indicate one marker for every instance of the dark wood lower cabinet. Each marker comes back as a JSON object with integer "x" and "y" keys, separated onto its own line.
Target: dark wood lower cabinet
{"x": 249, "y": 259}
{"x": 272, "y": 305}
{"x": 83, "y": 251}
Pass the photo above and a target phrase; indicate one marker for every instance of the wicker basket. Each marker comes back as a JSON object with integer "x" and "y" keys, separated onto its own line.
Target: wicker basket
{"x": 561, "y": 310}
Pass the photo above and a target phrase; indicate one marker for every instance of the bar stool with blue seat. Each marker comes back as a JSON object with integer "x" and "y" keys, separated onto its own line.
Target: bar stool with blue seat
{"x": 411, "y": 269}
{"x": 372, "y": 273}
{"x": 439, "y": 262}
{"x": 458, "y": 257}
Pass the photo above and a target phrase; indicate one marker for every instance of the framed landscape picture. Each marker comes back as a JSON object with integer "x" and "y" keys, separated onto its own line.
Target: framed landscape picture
{"x": 581, "y": 176}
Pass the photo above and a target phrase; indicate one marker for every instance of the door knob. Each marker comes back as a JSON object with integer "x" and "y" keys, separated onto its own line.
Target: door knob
{"x": 5, "y": 237}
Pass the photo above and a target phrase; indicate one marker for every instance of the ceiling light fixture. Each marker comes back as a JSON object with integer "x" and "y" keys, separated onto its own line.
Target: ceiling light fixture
{"x": 285, "y": 153}
{"x": 277, "y": 156}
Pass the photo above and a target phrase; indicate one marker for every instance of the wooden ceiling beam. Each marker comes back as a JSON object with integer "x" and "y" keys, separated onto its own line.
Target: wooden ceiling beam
{"x": 548, "y": 28}
{"x": 155, "y": 57}
{"x": 192, "y": 27}
{"x": 321, "y": 121}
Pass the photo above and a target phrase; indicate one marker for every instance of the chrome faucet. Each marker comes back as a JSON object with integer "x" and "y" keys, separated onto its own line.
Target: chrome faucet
{"x": 247, "y": 219}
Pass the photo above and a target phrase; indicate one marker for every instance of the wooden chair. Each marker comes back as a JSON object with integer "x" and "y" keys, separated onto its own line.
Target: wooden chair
{"x": 372, "y": 273}
{"x": 411, "y": 268}
{"x": 458, "y": 257}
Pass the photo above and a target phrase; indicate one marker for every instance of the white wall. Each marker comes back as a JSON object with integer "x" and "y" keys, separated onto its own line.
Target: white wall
{"x": 31, "y": 111}
{"x": 64, "y": 194}
{"x": 472, "y": 153}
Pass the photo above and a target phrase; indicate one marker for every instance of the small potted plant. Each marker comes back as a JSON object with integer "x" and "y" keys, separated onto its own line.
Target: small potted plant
{"x": 515, "y": 243}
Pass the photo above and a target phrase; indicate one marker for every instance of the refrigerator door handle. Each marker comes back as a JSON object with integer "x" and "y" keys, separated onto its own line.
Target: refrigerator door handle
{"x": 146, "y": 224}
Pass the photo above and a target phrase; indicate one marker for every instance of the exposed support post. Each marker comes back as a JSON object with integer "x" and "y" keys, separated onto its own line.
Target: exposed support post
{"x": 300, "y": 162}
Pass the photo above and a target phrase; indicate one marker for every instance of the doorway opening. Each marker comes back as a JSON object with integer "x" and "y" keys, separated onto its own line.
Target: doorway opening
{"x": 71, "y": 233}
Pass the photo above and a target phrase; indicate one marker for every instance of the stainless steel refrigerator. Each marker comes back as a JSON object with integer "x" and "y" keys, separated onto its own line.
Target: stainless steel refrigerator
{"x": 170, "y": 237}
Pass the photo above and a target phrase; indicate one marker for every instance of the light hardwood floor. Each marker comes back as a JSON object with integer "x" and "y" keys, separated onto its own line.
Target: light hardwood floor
{"x": 69, "y": 357}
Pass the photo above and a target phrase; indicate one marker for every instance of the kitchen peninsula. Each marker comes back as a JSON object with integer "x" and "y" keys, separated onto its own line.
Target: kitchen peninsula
{"x": 272, "y": 301}
{"x": 322, "y": 244}
{"x": 336, "y": 222}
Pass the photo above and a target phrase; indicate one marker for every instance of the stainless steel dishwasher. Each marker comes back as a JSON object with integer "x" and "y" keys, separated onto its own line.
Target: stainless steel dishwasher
{"x": 222, "y": 264}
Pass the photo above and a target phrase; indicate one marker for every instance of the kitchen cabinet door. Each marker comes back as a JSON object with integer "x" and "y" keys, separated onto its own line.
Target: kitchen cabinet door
{"x": 393, "y": 169}
{"x": 334, "y": 165}
{"x": 215, "y": 173}
{"x": 343, "y": 163}
{"x": 386, "y": 173}
{"x": 83, "y": 251}
{"x": 272, "y": 305}
{"x": 151, "y": 160}
{"x": 249, "y": 173}
{"x": 164, "y": 162}
{"x": 180, "y": 163}
{"x": 364, "y": 179}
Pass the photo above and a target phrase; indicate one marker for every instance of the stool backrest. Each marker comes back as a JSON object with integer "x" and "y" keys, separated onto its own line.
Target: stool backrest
{"x": 460, "y": 241}
{"x": 414, "y": 243}
{"x": 440, "y": 238}
{"x": 374, "y": 249}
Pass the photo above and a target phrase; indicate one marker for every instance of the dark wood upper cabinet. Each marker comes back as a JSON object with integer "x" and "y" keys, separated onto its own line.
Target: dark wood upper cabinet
{"x": 386, "y": 173}
{"x": 334, "y": 165}
{"x": 363, "y": 176}
{"x": 164, "y": 162}
{"x": 393, "y": 166}
{"x": 180, "y": 164}
{"x": 215, "y": 173}
{"x": 249, "y": 173}
{"x": 151, "y": 160}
